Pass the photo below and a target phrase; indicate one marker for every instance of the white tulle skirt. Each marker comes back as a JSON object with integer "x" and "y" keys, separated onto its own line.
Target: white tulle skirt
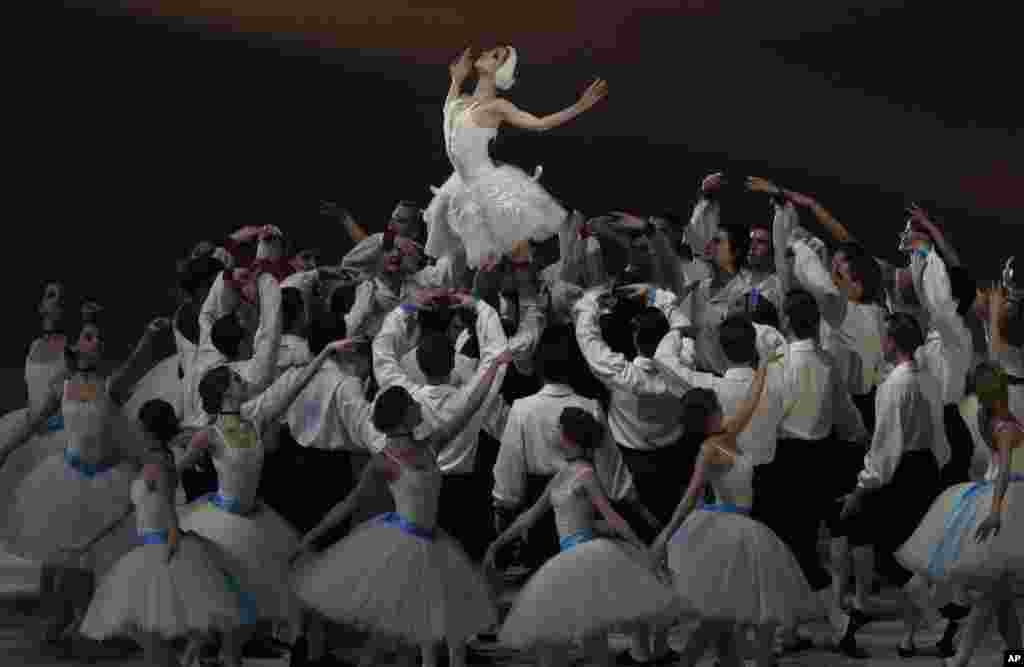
{"x": 57, "y": 506}
{"x": 161, "y": 381}
{"x": 726, "y": 566}
{"x": 501, "y": 206}
{"x": 950, "y": 554}
{"x": 257, "y": 547}
{"x": 396, "y": 584}
{"x": 586, "y": 589}
{"x": 143, "y": 593}
{"x": 23, "y": 461}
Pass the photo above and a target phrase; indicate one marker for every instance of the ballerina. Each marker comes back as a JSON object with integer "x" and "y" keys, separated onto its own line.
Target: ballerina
{"x": 727, "y": 567}
{"x": 971, "y": 535}
{"x": 173, "y": 585}
{"x": 256, "y": 540}
{"x": 399, "y": 575}
{"x": 485, "y": 208}
{"x": 72, "y": 495}
{"x": 594, "y": 582}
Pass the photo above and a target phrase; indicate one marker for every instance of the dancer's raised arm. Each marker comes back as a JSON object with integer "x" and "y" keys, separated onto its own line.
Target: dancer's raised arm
{"x": 460, "y": 70}
{"x": 509, "y": 113}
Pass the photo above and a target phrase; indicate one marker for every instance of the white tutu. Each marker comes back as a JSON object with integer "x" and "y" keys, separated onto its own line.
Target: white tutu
{"x": 257, "y": 547}
{"x": 56, "y": 506}
{"x": 26, "y": 459}
{"x": 393, "y": 583}
{"x": 727, "y": 566}
{"x": 969, "y": 564}
{"x": 161, "y": 381}
{"x": 586, "y": 589}
{"x": 502, "y": 205}
{"x": 145, "y": 594}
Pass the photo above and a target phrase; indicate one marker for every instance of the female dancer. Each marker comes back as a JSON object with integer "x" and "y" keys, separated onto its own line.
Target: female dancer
{"x": 256, "y": 540}
{"x": 73, "y": 495}
{"x": 728, "y": 568}
{"x": 173, "y": 585}
{"x": 594, "y": 582}
{"x": 972, "y": 534}
{"x": 45, "y": 364}
{"x": 489, "y": 209}
{"x": 398, "y": 574}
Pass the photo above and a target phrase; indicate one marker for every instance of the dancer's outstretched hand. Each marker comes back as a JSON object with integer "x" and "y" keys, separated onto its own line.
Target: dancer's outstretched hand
{"x": 462, "y": 66}
{"x": 758, "y": 184}
{"x": 712, "y": 182}
{"x": 594, "y": 93}
{"x": 990, "y": 526}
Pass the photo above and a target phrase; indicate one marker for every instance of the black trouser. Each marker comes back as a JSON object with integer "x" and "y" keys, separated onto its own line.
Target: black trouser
{"x": 890, "y": 515}
{"x": 464, "y": 512}
{"x": 791, "y": 498}
{"x": 961, "y": 447}
{"x": 866, "y": 406}
{"x": 661, "y": 477}
{"x": 199, "y": 480}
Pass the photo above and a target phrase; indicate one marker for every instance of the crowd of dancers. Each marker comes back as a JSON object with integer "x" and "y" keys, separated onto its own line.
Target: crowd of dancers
{"x": 705, "y": 405}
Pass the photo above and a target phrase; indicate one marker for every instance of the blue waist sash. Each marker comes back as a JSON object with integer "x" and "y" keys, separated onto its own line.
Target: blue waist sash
{"x": 74, "y": 460}
{"x": 155, "y": 537}
{"x": 54, "y": 423}
{"x": 226, "y": 503}
{"x": 726, "y": 508}
{"x": 947, "y": 550}
{"x": 576, "y": 539}
{"x": 398, "y": 521}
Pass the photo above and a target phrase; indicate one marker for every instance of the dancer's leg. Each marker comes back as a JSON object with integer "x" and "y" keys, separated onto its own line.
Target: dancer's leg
{"x": 978, "y": 624}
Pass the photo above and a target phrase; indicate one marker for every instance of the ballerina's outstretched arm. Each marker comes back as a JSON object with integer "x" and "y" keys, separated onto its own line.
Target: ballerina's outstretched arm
{"x": 520, "y": 526}
{"x": 509, "y": 113}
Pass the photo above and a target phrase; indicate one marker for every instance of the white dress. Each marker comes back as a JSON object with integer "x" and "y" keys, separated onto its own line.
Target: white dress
{"x": 484, "y": 207}
{"x": 73, "y": 495}
{"x": 143, "y": 593}
{"x": 39, "y": 378}
{"x": 943, "y": 548}
{"x": 593, "y": 584}
{"x": 398, "y": 575}
{"x": 257, "y": 541}
{"x": 727, "y": 566}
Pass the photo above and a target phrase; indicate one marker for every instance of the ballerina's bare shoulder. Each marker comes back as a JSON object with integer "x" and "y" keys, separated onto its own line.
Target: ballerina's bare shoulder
{"x": 483, "y": 114}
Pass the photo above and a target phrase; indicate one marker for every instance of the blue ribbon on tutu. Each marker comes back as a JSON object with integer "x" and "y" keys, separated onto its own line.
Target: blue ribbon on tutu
{"x": 55, "y": 423}
{"x": 576, "y": 539}
{"x": 226, "y": 503}
{"x": 155, "y": 537}
{"x": 249, "y": 612}
{"x": 406, "y": 526}
{"x": 74, "y": 460}
{"x": 722, "y": 508}
{"x": 947, "y": 550}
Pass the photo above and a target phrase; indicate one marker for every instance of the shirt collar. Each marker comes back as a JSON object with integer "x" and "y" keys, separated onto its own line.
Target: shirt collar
{"x": 739, "y": 373}
{"x": 556, "y": 389}
{"x": 644, "y": 363}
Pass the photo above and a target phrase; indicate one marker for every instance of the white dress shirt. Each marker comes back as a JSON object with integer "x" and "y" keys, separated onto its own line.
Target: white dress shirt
{"x": 531, "y": 445}
{"x": 815, "y": 398}
{"x": 758, "y": 440}
{"x": 948, "y": 350}
{"x": 908, "y": 420}
{"x": 644, "y": 413}
{"x": 441, "y": 403}
{"x": 259, "y": 371}
{"x": 294, "y": 351}
{"x": 708, "y": 307}
{"x": 770, "y": 341}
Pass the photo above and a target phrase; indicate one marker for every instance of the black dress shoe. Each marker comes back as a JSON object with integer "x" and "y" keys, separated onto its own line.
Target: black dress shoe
{"x": 906, "y": 652}
{"x": 626, "y": 658}
{"x": 848, "y": 644}
{"x": 300, "y": 653}
{"x": 263, "y": 649}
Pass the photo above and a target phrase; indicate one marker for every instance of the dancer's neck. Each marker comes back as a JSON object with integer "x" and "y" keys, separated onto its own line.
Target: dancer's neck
{"x": 485, "y": 89}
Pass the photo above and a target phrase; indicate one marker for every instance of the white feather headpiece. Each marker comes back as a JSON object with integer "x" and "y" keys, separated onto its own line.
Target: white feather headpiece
{"x": 505, "y": 77}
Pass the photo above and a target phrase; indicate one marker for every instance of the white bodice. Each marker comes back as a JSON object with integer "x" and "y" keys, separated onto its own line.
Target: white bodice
{"x": 574, "y": 510}
{"x": 733, "y": 483}
{"x": 39, "y": 378}
{"x": 466, "y": 143}
{"x": 239, "y": 467}
{"x": 152, "y": 509}
{"x": 85, "y": 424}
{"x": 416, "y": 493}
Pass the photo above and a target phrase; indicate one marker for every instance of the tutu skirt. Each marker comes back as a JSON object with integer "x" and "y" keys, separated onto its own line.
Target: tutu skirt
{"x": 62, "y": 503}
{"x": 27, "y": 458}
{"x": 256, "y": 547}
{"x": 386, "y": 579}
{"x": 587, "y": 588}
{"x": 727, "y": 566}
{"x": 143, "y": 593}
{"x": 944, "y": 549}
{"x": 499, "y": 207}
{"x": 162, "y": 382}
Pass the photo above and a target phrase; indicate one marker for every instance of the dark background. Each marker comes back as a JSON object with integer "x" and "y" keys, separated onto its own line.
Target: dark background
{"x": 143, "y": 127}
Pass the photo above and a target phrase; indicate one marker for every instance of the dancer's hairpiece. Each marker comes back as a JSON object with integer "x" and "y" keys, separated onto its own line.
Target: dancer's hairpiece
{"x": 505, "y": 77}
